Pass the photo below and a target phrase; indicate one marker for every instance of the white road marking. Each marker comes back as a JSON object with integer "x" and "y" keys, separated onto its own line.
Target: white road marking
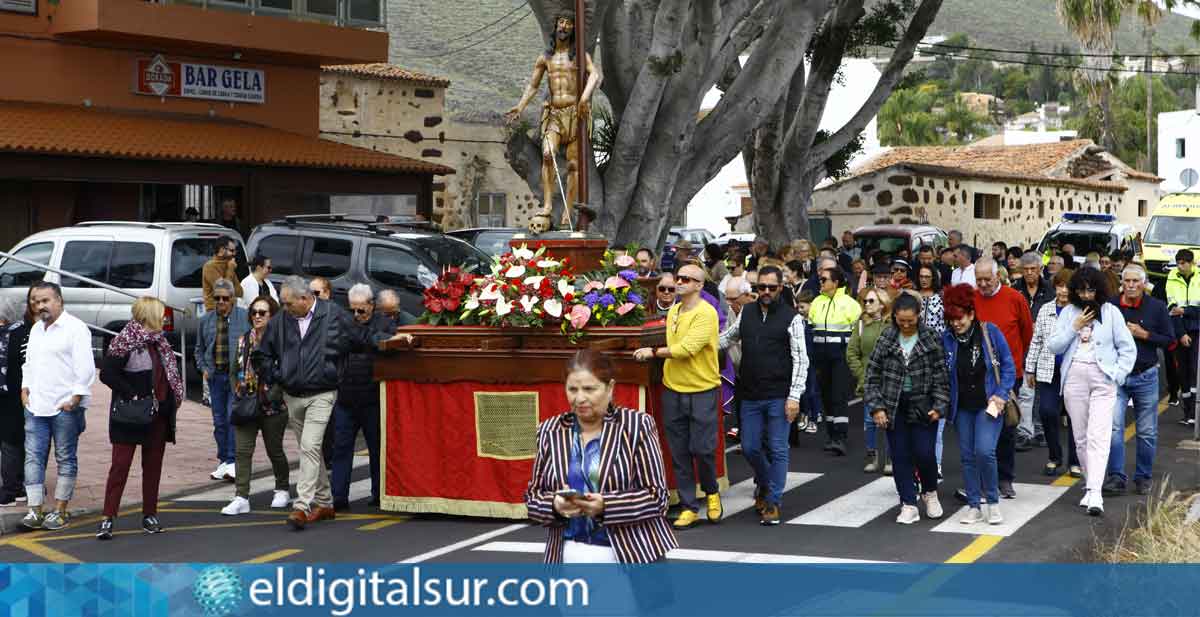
{"x": 686, "y": 554}
{"x": 483, "y": 537}
{"x": 1031, "y": 500}
{"x": 740, "y": 496}
{"x": 854, "y": 509}
{"x": 225, "y": 491}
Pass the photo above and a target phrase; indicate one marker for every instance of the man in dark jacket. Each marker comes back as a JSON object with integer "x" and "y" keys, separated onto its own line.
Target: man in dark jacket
{"x": 301, "y": 352}
{"x": 357, "y": 404}
{"x": 12, "y": 414}
{"x": 770, "y": 383}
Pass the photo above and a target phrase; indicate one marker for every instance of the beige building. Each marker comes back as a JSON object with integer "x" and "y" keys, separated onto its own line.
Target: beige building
{"x": 389, "y": 109}
{"x": 1010, "y": 193}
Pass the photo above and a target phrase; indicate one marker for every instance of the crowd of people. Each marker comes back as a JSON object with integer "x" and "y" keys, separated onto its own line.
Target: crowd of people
{"x": 1017, "y": 350}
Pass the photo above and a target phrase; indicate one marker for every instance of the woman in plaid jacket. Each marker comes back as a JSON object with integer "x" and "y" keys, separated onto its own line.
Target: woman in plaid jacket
{"x": 907, "y": 391}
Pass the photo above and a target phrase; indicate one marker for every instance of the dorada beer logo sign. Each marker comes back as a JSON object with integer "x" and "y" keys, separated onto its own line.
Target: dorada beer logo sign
{"x": 158, "y": 77}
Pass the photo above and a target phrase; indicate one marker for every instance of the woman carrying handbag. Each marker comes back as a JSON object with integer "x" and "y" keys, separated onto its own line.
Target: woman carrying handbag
{"x": 140, "y": 369}
{"x": 254, "y": 411}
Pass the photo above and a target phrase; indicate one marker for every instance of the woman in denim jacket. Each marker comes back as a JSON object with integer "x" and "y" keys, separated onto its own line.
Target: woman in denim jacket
{"x": 1098, "y": 352}
{"x": 973, "y": 390}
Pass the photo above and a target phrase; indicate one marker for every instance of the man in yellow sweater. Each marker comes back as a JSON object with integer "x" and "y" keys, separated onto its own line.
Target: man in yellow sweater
{"x": 692, "y": 383}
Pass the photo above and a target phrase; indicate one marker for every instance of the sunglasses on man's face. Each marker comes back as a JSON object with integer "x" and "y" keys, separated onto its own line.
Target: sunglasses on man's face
{"x": 683, "y": 278}
{"x": 221, "y": 298}
{"x": 665, "y": 289}
{"x": 361, "y": 311}
{"x": 765, "y": 287}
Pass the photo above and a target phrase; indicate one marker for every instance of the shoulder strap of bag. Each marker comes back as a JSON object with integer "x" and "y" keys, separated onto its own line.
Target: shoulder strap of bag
{"x": 987, "y": 344}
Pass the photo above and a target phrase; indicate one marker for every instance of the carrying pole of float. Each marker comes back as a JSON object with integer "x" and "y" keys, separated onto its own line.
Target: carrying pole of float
{"x": 582, "y": 133}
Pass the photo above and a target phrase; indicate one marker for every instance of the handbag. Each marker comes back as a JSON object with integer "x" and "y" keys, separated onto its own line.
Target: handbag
{"x": 137, "y": 411}
{"x": 1012, "y": 412}
{"x": 245, "y": 409}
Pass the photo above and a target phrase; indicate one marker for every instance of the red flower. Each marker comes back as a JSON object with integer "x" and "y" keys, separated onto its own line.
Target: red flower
{"x": 569, "y": 297}
{"x": 433, "y": 304}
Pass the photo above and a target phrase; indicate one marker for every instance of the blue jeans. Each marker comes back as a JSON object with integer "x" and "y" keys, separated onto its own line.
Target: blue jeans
{"x": 1143, "y": 388}
{"x": 764, "y": 423}
{"x": 978, "y": 434}
{"x": 221, "y": 396}
{"x": 346, "y": 424}
{"x": 868, "y": 428}
{"x": 938, "y": 449}
{"x": 64, "y": 429}
{"x": 912, "y": 447}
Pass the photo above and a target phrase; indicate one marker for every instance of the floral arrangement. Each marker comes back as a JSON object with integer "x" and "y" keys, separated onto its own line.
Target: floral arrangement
{"x": 529, "y": 289}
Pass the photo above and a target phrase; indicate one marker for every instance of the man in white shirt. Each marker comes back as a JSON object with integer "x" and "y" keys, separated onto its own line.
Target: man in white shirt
{"x": 965, "y": 272}
{"x": 55, "y": 389}
{"x": 256, "y": 283}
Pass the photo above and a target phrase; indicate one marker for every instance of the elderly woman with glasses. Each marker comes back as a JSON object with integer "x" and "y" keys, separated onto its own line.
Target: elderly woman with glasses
{"x": 877, "y": 306}
{"x": 1098, "y": 353}
{"x": 272, "y": 418}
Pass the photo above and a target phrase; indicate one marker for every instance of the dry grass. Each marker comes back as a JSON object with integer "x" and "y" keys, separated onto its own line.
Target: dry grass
{"x": 1159, "y": 534}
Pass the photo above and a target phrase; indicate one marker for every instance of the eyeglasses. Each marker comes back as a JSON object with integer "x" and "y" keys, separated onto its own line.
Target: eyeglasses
{"x": 665, "y": 289}
{"x": 260, "y": 313}
{"x": 870, "y": 301}
{"x": 1086, "y": 290}
{"x": 899, "y": 270}
{"x": 222, "y": 298}
{"x": 764, "y": 287}
{"x": 683, "y": 278}
{"x": 361, "y": 311}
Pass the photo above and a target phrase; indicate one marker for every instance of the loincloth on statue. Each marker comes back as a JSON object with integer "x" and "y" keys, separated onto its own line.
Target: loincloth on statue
{"x": 563, "y": 121}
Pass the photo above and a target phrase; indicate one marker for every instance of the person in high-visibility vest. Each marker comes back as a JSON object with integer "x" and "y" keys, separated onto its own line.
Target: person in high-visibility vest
{"x": 832, "y": 316}
{"x": 1183, "y": 303}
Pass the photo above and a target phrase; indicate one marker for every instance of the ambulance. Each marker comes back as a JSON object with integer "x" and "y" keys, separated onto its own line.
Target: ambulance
{"x": 1174, "y": 226}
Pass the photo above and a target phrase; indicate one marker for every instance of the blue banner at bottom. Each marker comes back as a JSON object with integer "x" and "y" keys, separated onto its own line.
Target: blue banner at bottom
{"x": 219, "y": 590}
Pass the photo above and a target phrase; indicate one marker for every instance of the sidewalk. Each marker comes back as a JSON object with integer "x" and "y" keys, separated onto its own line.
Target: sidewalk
{"x": 185, "y": 467}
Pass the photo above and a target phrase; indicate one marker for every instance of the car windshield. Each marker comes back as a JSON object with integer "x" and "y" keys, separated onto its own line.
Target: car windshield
{"x": 1084, "y": 241}
{"x": 886, "y": 244}
{"x": 447, "y": 252}
{"x": 1173, "y": 230}
{"x": 494, "y": 242}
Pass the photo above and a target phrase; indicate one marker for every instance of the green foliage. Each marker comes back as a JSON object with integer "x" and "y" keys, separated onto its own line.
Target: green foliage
{"x": 838, "y": 165}
{"x": 1129, "y": 116}
{"x": 927, "y": 116}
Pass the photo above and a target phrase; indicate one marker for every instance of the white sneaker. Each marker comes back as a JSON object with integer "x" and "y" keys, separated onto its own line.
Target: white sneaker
{"x": 1095, "y": 505}
{"x": 908, "y": 515}
{"x": 1087, "y": 495}
{"x": 281, "y": 499}
{"x": 973, "y": 516}
{"x": 933, "y": 507}
{"x": 218, "y": 473}
{"x": 239, "y": 505}
{"x": 994, "y": 517}
{"x": 231, "y": 472}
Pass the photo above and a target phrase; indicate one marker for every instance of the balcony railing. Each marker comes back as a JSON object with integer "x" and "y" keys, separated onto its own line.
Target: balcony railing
{"x": 354, "y": 13}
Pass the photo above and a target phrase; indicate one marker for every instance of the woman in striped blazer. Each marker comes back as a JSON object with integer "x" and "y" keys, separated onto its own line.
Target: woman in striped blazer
{"x": 598, "y": 482}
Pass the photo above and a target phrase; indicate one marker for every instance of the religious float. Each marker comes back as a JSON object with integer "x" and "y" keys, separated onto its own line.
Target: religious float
{"x": 460, "y": 408}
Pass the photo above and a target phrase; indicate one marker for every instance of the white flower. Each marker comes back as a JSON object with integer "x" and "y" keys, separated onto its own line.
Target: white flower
{"x": 548, "y": 264}
{"x": 490, "y": 292}
{"x": 515, "y": 272}
{"x": 565, "y": 288}
{"x": 523, "y": 253}
{"x": 534, "y": 281}
{"x": 503, "y": 307}
{"x": 528, "y": 302}
{"x": 472, "y": 302}
{"x": 553, "y": 307}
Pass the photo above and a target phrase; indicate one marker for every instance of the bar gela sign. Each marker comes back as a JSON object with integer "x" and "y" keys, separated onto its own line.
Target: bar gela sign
{"x": 159, "y": 77}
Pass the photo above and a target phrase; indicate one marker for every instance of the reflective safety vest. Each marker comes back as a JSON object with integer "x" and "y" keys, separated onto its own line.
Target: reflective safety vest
{"x": 1186, "y": 295}
{"x": 832, "y": 319}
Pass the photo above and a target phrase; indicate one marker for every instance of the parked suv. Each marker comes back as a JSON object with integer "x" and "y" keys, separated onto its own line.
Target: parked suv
{"x": 350, "y": 250}
{"x": 891, "y": 238}
{"x": 163, "y": 260}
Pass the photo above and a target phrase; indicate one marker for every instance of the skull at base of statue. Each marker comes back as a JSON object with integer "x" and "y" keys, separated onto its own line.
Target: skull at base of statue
{"x": 539, "y": 224}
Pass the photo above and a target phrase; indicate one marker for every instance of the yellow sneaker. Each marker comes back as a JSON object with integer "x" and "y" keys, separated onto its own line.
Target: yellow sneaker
{"x": 686, "y": 519}
{"x": 714, "y": 508}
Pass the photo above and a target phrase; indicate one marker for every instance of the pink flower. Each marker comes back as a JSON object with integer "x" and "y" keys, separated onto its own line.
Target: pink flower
{"x": 580, "y": 315}
{"x": 592, "y": 285}
{"x": 616, "y": 282}
{"x": 624, "y": 261}
{"x": 625, "y": 308}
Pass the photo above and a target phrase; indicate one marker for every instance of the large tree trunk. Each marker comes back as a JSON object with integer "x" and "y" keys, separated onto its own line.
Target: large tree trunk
{"x": 660, "y": 58}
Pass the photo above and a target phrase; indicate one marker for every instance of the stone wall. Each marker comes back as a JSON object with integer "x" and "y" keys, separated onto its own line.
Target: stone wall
{"x": 1026, "y": 210}
{"x": 409, "y": 119}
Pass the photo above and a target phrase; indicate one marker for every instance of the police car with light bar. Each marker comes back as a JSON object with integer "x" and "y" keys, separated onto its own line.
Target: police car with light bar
{"x": 1091, "y": 232}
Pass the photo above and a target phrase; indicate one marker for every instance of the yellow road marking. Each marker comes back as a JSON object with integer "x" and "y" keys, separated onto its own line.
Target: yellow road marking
{"x": 269, "y": 557}
{"x": 45, "y": 552}
{"x": 976, "y": 549}
{"x": 384, "y": 523}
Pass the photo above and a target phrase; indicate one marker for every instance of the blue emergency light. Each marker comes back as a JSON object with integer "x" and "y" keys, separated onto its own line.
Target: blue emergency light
{"x": 1082, "y": 217}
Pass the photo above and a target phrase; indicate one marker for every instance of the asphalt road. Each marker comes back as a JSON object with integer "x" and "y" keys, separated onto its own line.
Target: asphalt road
{"x": 834, "y": 512}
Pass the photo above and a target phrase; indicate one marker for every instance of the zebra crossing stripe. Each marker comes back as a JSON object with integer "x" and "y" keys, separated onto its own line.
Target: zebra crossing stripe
{"x": 687, "y": 554}
{"x": 1031, "y": 500}
{"x": 854, "y": 509}
{"x": 740, "y": 496}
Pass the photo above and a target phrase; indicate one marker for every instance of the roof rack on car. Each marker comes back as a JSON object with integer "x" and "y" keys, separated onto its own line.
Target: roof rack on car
{"x": 335, "y": 218}
{"x": 141, "y": 224}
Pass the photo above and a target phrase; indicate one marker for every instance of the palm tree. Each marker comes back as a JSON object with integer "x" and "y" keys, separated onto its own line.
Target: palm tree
{"x": 1149, "y": 13}
{"x": 1093, "y": 22}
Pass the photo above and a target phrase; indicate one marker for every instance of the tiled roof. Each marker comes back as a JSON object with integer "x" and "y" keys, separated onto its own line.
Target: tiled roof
{"x": 40, "y": 128}
{"x": 1040, "y": 163}
{"x": 382, "y": 70}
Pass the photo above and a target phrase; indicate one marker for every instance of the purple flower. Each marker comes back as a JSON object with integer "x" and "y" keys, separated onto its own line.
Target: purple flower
{"x": 608, "y": 300}
{"x": 591, "y": 299}
{"x": 634, "y": 298}
{"x": 628, "y": 275}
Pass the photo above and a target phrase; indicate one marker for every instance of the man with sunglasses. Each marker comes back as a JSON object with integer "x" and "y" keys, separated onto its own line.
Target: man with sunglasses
{"x": 216, "y": 357}
{"x": 664, "y": 295}
{"x": 223, "y": 265}
{"x": 832, "y": 316}
{"x": 770, "y": 384}
{"x": 692, "y": 382}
